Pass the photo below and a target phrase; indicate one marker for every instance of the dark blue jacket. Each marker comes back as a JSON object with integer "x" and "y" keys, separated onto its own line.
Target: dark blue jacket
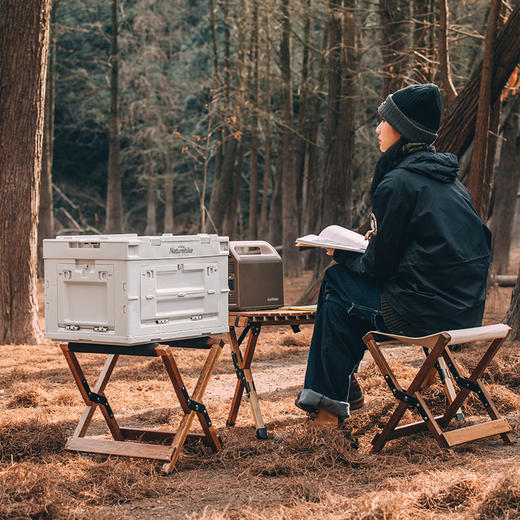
{"x": 431, "y": 251}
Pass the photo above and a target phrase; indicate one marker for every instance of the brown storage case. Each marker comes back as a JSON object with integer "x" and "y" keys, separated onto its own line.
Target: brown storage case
{"x": 255, "y": 276}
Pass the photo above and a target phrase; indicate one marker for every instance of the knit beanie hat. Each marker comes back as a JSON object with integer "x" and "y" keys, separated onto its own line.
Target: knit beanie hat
{"x": 414, "y": 111}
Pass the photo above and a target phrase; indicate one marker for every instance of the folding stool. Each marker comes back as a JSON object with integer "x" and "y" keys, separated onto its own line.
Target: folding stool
{"x": 191, "y": 406}
{"x": 440, "y": 357}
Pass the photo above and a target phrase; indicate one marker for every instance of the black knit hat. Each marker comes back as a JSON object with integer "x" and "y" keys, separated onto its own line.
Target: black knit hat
{"x": 414, "y": 111}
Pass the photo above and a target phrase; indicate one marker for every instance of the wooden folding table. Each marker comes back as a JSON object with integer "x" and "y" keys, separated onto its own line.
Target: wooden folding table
{"x": 251, "y": 323}
{"x": 119, "y": 444}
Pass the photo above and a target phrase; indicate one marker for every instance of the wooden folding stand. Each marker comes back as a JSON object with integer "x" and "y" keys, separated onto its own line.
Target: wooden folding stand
{"x": 440, "y": 357}
{"x": 252, "y": 323}
{"x": 191, "y": 406}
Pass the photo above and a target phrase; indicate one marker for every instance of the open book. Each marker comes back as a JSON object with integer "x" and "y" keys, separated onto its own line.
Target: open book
{"x": 335, "y": 237}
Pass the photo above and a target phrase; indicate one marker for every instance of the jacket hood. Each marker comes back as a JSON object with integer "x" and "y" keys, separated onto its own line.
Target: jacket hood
{"x": 442, "y": 167}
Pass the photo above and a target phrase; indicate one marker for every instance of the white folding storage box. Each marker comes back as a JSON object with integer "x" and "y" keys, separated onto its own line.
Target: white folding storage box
{"x": 127, "y": 289}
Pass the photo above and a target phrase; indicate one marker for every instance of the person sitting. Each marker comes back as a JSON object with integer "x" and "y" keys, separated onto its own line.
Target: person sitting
{"x": 425, "y": 266}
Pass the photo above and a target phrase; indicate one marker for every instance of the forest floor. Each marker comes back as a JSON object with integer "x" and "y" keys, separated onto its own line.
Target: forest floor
{"x": 296, "y": 473}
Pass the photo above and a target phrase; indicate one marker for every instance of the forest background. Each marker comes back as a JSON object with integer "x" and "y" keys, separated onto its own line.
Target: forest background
{"x": 256, "y": 120}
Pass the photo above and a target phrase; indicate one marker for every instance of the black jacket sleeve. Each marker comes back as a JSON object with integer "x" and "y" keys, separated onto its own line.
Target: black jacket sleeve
{"x": 392, "y": 207}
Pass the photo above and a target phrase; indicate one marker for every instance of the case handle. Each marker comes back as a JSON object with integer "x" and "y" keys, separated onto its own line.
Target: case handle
{"x": 252, "y": 247}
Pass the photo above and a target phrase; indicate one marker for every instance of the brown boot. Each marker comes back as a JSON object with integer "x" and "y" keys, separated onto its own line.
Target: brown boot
{"x": 322, "y": 418}
{"x": 355, "y": 395}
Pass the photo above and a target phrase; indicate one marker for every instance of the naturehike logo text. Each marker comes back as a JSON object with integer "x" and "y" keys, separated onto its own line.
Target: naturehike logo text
{"x": 181, "y": 250}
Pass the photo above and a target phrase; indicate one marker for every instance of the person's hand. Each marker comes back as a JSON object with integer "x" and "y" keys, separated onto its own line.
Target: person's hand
{"x": 368, "y": 235}
{"x": 330, "y": 252}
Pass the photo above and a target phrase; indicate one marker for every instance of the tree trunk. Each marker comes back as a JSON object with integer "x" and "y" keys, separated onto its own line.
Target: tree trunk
{"x": 506, "y": 188}
{"x": 346, "y": 126}
{"x": 489, "y": 169}
{"x": 222, "y": 133}
{"x": 266, "y": 181}
{"x": 275, "y": 215}
{"x": 289, "y": 206}
{"x": 114, "y": 215}
{"x": 151, "y": 220}
{"x": 168, "y": 226}
{"x": 222, "y": 190}
{"x": 395, "y": 20}
{"x": 422, "y": 44}
{"x": 303, "y": 125}
{"x": 458, "y": 127}
{"x": 267, "y": 174}
{"x": 230, "y": 227}
{"x": 255, "y": 89}
{"x": 46, "y": 210}
{"x": 24, "y": 39}
{"x": 315, "y": 180}
{"x": 331, "y": 196}
{"x": 512, "y": 317}
{"x": 340, "y": 115}
{"x": 479, "y": 176}
{"x": 447, "y": 88}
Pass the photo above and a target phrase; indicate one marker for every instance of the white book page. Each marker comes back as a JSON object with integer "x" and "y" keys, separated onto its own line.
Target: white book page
{"x": 335, "y": 237}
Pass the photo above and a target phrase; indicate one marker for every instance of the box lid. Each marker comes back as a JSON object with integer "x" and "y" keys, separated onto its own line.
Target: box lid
{"x": 131, "y": 246}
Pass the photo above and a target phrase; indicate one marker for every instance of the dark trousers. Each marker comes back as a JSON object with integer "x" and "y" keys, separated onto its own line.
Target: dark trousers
{"x": 348, "y": 307}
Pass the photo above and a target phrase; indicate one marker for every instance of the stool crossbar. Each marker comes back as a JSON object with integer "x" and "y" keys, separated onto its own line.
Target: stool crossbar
{"x": 439, "y": 356}
{"x": 122, "y": 442}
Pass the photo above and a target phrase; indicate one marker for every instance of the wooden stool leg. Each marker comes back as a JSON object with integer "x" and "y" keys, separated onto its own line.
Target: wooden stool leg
{"x": 489, "y": 405}
{"x": 239, "y": 388}
{"x": 384, "y": 435}
{"x": 99, "y": 388}
{"x": 447, "y": 383}
{"x": 412, "y": 392}
{"x": 245, "y": 366}
{"x": 189, "y": 414}
{"x": 101, "y": 383}
{"x": 199, "y": 390}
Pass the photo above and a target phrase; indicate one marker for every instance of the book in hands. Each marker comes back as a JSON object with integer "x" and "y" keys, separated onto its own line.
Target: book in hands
{"x": 335, "y": 237}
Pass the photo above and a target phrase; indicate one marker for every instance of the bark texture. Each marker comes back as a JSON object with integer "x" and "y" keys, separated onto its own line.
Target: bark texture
{"x": 46, "y": 210}
{"x": 513, "y": 314}
{"x": 447, "y": 87}
{"x": 340, "y": 115}
{"x": 506, "y": 188}
{"x": 24, "y": 38}
{"x": 423, "y": 54}
{"x": 395, "y": 22}
{"x": 479, "y": 180}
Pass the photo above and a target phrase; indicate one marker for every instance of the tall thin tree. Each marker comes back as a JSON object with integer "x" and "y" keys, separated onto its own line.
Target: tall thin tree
{"x": 447, "y": 87}
{"x": 114, "y": 206}
{"x": 423, "y": 52}
{"x": 395, "y": 20}
{"x": 289, "y": 205}
{"x": 46, "y": 210}
{"x": 506, "y": 189}
{"x": 255, "y": 95}
{"x": 266, "y": 177}
{"x": 479, "y": 180}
